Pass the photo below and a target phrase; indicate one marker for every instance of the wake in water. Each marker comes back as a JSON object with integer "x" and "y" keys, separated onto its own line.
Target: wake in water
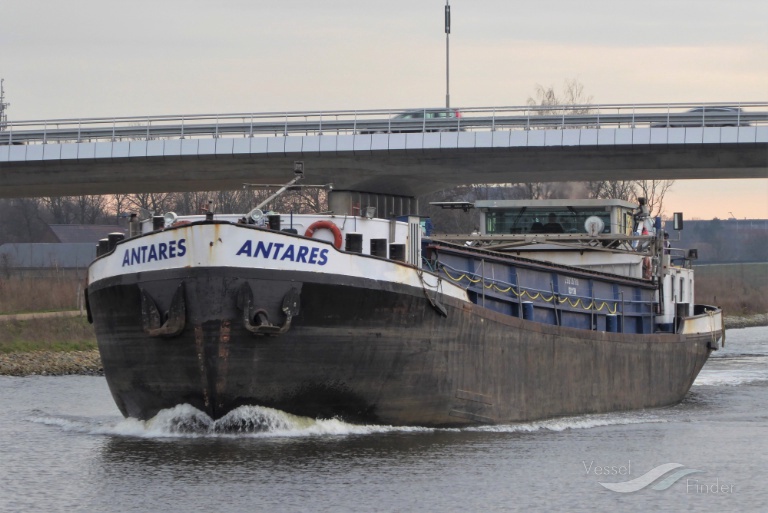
{"x": 730, "y": 377}
{"x": 245, "y": 420}
{"x": 734, "y": 368}
{"x": 185, "y": 421}
{"x": 580, "y": 422}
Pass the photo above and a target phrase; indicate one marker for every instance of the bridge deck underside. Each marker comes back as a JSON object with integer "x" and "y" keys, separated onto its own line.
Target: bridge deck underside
{"x": 390, "y": 171}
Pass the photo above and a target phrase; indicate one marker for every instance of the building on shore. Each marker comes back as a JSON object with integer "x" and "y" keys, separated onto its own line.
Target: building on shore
{"x": 67, "y": 249}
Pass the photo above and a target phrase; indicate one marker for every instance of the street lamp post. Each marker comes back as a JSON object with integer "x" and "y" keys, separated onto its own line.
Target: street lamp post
{"x": 3, "y": 105}
{"x": 447, "y": 60}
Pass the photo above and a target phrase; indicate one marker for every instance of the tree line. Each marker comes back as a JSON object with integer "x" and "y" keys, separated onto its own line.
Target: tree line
{"x": 27, "y": 219}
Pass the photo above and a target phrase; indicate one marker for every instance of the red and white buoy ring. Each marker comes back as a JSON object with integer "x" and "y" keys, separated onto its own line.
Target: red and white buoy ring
{"x": 328, "y": 225}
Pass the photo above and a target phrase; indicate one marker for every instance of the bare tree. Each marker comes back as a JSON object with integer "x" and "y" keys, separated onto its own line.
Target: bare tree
{"x": 84, "y": 209}
{"x": 152, "y": 201}
{"x": 117, "y": 204}
{"x": 612, "y": 189}
{"x": 230, "y": 202}
{"x": 89, "y": 209}
{"x": 554, "y": 190}
{"x": 22, "y": 220}
{"x": 190, "y": 203}
{"x": 571, "y": 101}
{"x": 58, "y": 209}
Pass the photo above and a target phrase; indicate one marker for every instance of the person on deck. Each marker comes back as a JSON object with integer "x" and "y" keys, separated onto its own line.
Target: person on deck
{"x": 552, "y": 225}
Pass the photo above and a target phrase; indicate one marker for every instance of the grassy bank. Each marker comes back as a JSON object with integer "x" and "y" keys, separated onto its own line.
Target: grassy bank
{"x": 49, "y": 334}
{"x": 48, "y": 344}
{"x": 26, "y": 294}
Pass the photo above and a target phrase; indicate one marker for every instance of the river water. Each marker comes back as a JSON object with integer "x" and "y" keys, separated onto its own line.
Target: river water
{"x": 65, "y": 447}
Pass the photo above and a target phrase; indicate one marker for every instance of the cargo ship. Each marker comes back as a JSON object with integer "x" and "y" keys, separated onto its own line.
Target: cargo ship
{"x": 551, "y": 308}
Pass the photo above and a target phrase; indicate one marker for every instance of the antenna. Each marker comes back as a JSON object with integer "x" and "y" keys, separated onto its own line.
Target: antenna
{"x": 3, "y": 106}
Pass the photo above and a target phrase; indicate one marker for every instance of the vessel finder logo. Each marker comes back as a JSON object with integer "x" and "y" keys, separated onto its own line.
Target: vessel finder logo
{"x": 673, "y": 472}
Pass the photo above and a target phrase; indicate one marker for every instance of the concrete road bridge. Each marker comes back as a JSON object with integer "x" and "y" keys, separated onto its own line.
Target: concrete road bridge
{"x": 402, "y": 152}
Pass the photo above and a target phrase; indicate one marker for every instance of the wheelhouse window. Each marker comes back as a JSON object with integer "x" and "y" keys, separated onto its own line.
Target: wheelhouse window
{"x": 548, "y": 220}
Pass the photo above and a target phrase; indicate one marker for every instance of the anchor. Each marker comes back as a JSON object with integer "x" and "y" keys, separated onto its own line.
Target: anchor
{"x": 256, "y": 320}
{"x": 169, "y": 325}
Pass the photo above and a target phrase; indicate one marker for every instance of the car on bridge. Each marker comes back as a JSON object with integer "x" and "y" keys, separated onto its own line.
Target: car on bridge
{"x": 718, "y": 116}
{"x": 418, "y": 120}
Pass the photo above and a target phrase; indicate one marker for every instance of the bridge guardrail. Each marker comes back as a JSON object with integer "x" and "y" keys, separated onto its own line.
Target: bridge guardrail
{"x": 363, "y": 122}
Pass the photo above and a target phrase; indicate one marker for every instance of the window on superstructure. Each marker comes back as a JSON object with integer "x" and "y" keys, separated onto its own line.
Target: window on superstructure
{"x": 533, "y": 220}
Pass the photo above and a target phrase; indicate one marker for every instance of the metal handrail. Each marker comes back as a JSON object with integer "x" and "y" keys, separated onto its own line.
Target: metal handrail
{"x": 356, "y": 122}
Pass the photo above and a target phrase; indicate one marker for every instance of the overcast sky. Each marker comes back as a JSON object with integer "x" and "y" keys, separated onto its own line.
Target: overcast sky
{"x": 85, "y": 58}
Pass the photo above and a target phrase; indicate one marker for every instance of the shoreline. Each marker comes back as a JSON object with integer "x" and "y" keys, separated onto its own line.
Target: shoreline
{"x": 51, "y": 363}
{"x": 733, "y": 322}
{"x": 88, "y": 363}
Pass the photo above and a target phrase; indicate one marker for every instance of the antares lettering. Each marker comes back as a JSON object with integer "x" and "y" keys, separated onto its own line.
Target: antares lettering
{"x": 280, "y": 251}
{"x": 153, "y": 252}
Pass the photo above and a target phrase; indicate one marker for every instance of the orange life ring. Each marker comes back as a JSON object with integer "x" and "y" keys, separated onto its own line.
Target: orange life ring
{"x": 328, "y": 225}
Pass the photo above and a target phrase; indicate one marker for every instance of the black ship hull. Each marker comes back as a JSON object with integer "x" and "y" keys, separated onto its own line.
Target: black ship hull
{"x": 365, "y": 350}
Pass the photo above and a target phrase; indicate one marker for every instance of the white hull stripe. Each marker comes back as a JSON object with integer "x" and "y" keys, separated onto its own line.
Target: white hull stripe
{"x": 226, "y": 245}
